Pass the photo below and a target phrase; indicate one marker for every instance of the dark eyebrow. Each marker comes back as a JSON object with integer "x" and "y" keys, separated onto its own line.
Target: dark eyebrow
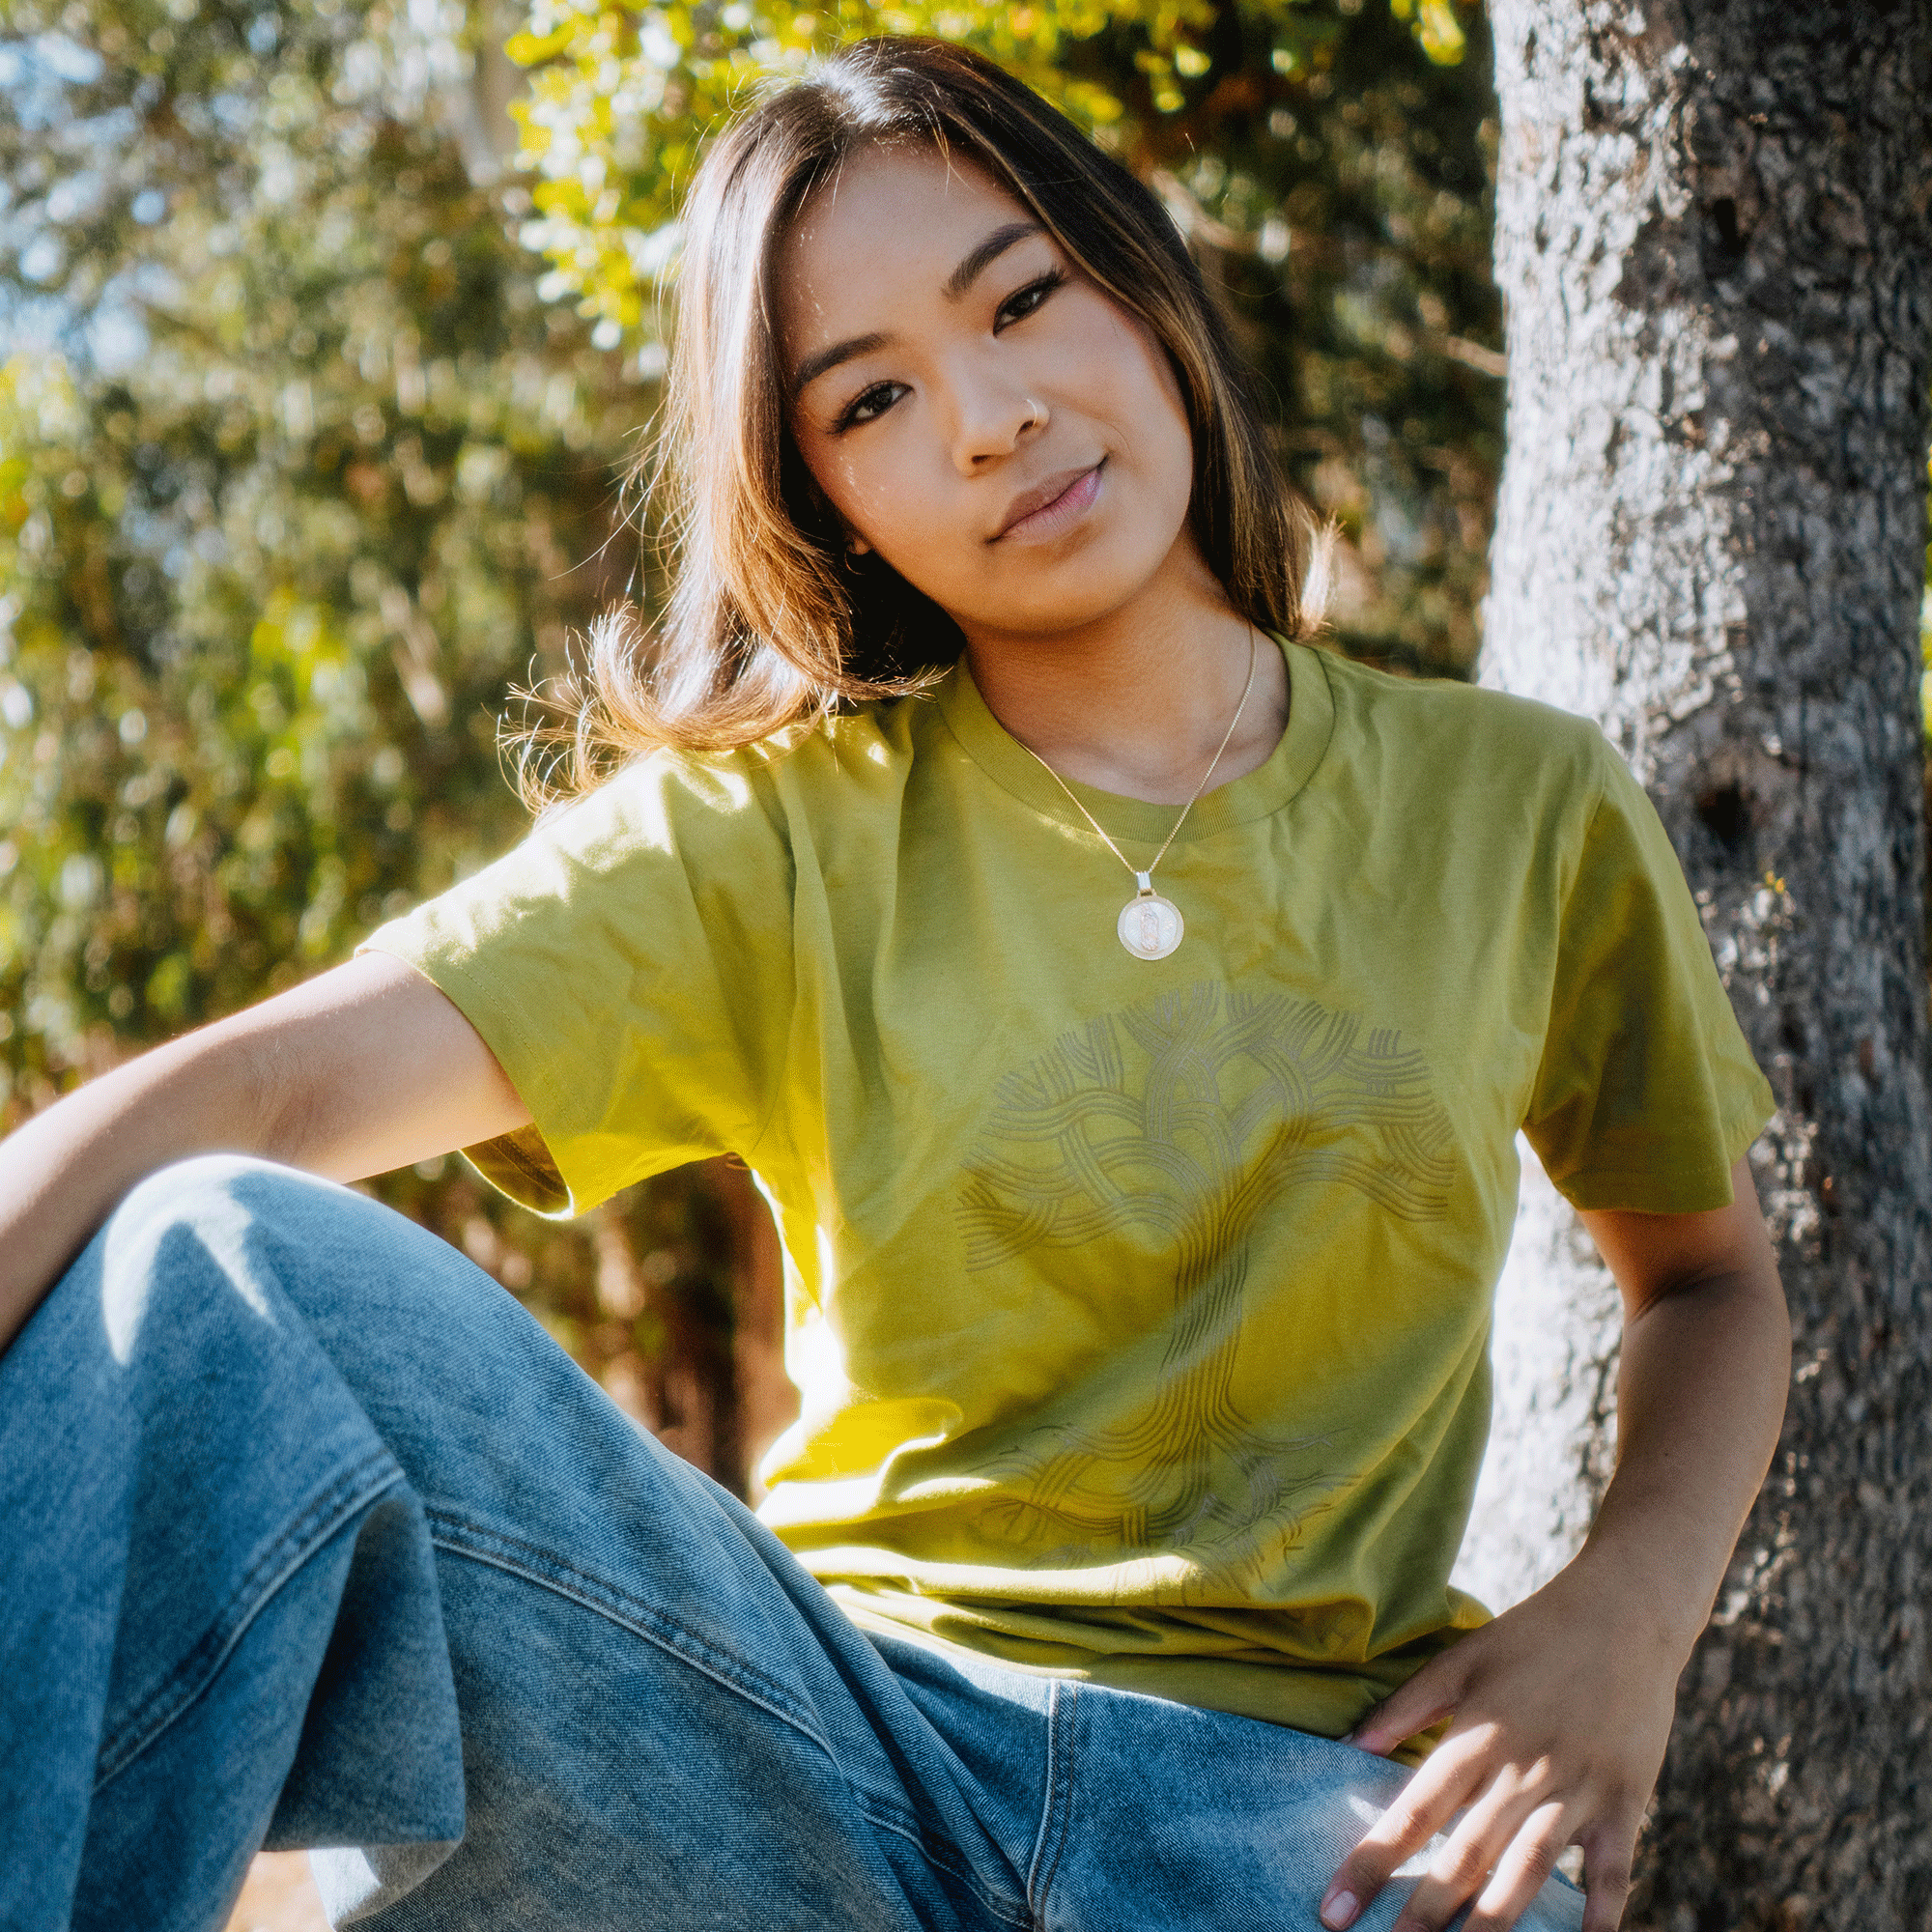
{"x": 957, "y": 283}
{"x": 815, "y": 366}
{"x": 990, "y": 249}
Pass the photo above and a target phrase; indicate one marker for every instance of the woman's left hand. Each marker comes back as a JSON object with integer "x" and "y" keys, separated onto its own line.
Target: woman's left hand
{"x": 1561, "y": 1709}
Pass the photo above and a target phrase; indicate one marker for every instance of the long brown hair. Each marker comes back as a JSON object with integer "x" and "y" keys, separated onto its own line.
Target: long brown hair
{"x": 766, "y": 623}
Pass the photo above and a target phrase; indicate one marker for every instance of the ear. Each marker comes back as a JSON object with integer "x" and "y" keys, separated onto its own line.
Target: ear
{"x": 855, "y": 545}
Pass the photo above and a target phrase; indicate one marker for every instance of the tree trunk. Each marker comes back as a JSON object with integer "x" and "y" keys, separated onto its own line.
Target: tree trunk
{"x": 1712, "y": 243}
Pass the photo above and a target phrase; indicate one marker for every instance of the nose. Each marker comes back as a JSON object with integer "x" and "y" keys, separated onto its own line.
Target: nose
{"x": 993, "y": 415}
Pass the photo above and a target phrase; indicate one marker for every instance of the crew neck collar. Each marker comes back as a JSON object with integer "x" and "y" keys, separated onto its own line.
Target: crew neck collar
{"x": 1271, "y": 785}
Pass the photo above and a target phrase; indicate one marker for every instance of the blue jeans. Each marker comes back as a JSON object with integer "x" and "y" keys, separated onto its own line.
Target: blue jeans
{"x": 309, "y": 1536}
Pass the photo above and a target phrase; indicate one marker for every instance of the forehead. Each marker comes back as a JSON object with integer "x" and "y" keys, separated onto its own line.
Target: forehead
{"x": 890, "y": 226}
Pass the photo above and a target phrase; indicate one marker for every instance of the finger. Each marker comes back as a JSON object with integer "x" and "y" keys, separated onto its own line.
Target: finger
{"x": 1609, "y": 1854}
{"x": 1431, "y": 1693}
{"x": 1524, "y": 1868}
{"x": 1461, "y": 1867}
{"x": 1420, "y": 1809}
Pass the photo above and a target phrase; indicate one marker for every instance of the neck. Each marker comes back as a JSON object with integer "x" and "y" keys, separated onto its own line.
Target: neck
{"x": 1136, "y": 701}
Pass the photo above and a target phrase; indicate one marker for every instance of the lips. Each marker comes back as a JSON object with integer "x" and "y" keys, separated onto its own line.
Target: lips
{"x": 1069, "y": 489}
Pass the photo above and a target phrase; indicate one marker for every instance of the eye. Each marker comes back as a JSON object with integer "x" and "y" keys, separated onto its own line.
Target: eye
{"x": 868, "y": 404}
{"x": 1022, "y": 303}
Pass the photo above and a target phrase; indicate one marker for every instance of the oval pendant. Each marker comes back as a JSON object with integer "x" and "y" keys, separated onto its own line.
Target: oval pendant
{"x": 1149, "y": 926}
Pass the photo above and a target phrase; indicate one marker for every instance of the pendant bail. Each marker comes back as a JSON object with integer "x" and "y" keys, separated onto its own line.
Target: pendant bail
{"x": 1144, "y": 881}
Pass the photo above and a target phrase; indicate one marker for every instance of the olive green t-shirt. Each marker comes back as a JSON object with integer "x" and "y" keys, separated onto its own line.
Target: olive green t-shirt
{"x": 1140, "y": 1309}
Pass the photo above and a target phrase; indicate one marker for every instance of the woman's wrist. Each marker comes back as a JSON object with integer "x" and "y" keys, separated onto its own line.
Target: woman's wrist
{"x": 1626, "y": 1588}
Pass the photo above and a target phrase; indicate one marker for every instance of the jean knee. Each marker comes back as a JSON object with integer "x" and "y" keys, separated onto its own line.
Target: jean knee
{"x": 172, "y": 1234}
{"x": 203, "y": 1186}
{"x": 215, "y": 1258}
{"x": 361, "y": 1275}
{"x": 270, "y": 1235}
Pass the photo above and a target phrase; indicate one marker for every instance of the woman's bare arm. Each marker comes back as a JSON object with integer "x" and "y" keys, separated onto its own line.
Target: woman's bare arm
{"x": 363, "y": 1069}
{"x": 1562, "y": 1707}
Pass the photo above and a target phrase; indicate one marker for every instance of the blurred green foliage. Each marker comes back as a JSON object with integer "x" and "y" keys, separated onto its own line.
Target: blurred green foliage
{"x": 312, "y": 418}
{"x": 316, "y": 474}
{"x": 300, "y": 477}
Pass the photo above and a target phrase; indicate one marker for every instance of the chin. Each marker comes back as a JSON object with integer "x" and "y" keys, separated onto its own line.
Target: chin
{"x": 1066, "y": 588}
{"x": 1091, "y": 593}
{"x": 1045, "y": 618}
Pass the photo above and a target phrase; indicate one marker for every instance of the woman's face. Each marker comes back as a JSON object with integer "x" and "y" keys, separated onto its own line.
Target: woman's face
{"x": 977, "y": 410}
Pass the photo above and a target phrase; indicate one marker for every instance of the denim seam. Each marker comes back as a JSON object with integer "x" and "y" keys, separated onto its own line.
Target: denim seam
{"x": 549, "y": 1571}
{"x": 945, "y": 1853}
{"x": 1054, "y": 1813}
{"x": 313, "y": 1526}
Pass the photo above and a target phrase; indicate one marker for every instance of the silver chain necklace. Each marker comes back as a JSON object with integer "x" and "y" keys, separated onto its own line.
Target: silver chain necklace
{"x": 1150, "y": 926}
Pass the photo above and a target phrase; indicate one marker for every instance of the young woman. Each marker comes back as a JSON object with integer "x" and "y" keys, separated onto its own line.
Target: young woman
{"x": 1130, "y": 1024}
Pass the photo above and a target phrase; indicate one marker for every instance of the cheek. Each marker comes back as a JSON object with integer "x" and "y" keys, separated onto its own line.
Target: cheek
{"x": 1166, "y": 409}
{"x": 880, "y": 487}
{"x": 839, "y": 481}
{"x": 1124, "y": 378}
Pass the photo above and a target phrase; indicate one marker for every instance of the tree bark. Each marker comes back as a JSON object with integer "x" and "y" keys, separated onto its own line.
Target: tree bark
{"x": 1712, "y": 243}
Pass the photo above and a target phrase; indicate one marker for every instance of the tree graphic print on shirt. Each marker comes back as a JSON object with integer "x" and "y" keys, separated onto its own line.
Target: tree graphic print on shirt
{"x": 1182, "y": 1118}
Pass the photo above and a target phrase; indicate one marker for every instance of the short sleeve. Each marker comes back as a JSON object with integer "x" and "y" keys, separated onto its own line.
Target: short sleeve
{"x": 630, "y": 966}
{"x": 1646, "y": 1094}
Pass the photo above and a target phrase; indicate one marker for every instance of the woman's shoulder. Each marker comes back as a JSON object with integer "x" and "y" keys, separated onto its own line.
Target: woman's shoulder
{"x": 845, "y": 760}
{"x": 1441, "y": 727}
